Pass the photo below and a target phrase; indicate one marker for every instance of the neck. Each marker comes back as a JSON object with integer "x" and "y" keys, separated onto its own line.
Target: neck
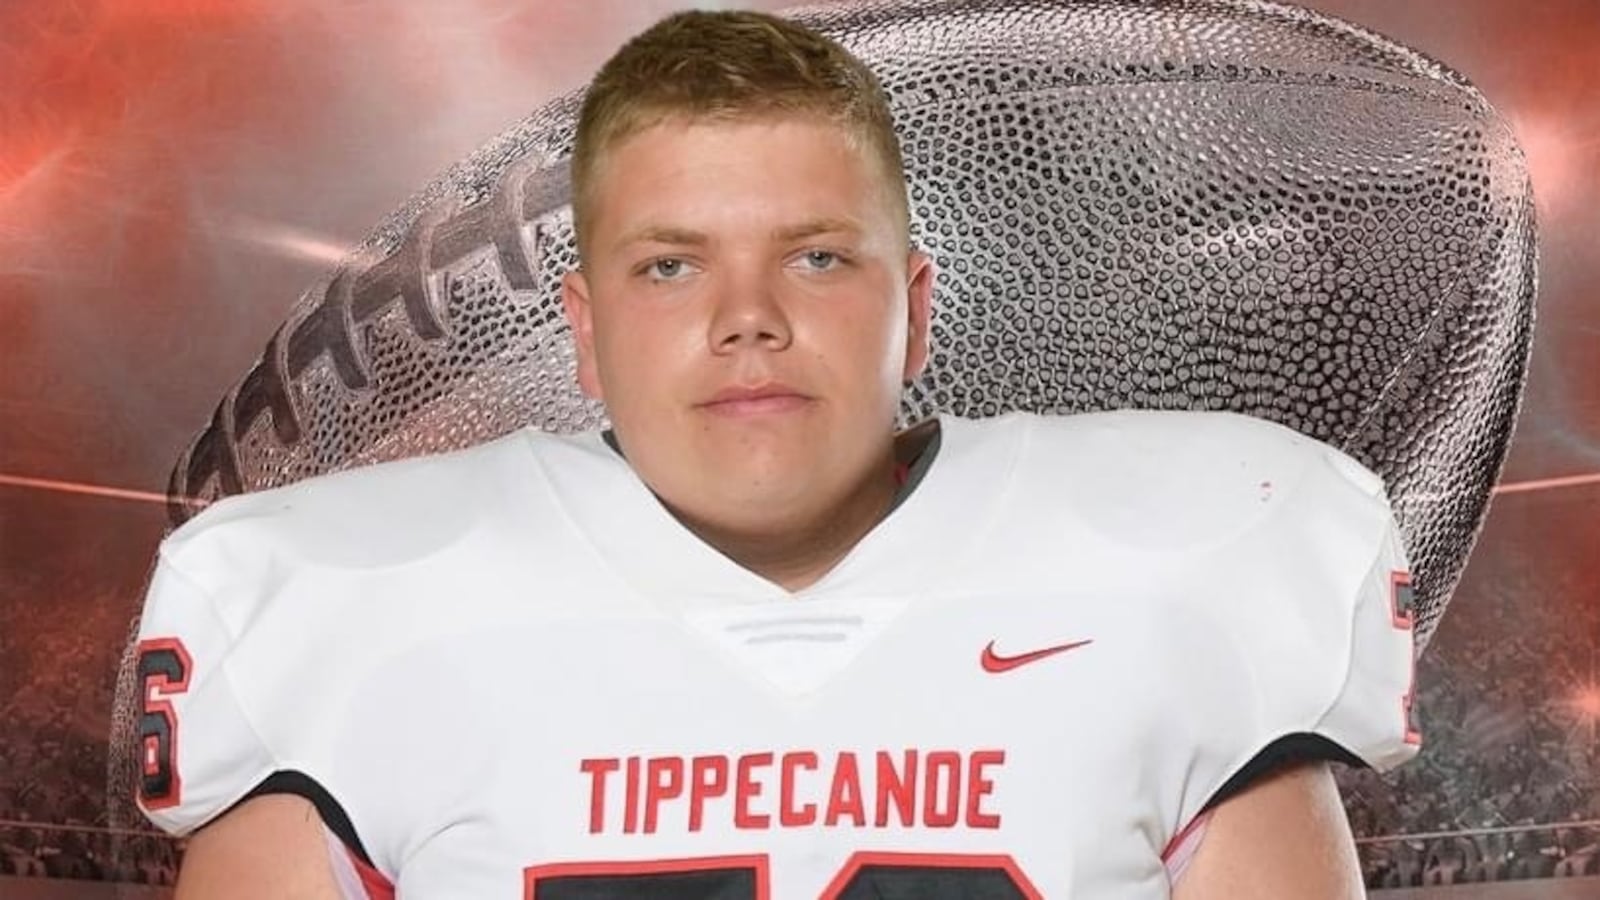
{"x": 796, "y": 554}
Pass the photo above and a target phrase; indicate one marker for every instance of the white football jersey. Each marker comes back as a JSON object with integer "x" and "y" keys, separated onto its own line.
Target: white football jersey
{"x": 509, "y": 672}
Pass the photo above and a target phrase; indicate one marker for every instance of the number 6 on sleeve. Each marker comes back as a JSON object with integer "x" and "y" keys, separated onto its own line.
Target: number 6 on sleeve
{"x": 1402, "y": 600}
{"x": 163, "y": 673}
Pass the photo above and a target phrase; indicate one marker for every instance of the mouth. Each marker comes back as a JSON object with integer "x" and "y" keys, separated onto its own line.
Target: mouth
{"x": 755, "y": 400}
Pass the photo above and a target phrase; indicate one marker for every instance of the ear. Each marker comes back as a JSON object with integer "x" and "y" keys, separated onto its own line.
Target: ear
{"x": 580, "y": 316}
{"x": 920, "y": 274}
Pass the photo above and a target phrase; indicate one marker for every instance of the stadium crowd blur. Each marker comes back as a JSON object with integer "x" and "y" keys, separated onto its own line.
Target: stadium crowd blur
{"x": 60, "y": 664}
{"x": 1509, "y": 702}
{"x": 1506, "y": 701}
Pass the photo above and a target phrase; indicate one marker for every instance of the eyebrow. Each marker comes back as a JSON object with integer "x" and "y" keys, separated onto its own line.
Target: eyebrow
{"x": 816, "y": 227}
{"x": 664, "y": 234}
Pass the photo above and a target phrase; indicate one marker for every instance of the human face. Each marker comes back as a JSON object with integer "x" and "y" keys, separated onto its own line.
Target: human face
{"x": 748, "y": 311}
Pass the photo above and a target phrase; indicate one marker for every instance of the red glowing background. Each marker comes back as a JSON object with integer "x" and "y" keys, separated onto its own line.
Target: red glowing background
{"x": 174, "y": 172}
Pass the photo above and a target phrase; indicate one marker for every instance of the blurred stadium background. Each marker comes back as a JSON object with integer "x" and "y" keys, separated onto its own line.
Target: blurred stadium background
{"x": 174, "y": 172}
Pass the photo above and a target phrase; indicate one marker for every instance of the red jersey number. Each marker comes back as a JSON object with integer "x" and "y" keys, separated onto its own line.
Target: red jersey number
{"x": 865, "y": 876}
{"x": 163, "y": 673}
{"x": 1402, "y": 606}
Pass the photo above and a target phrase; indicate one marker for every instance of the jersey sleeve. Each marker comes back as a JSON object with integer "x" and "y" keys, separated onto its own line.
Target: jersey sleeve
{"x": 275, "y": 629}
{"x": 1372, "y": 715}
{"x": 198, "y": 753}
{"x": 1320, "y": 657}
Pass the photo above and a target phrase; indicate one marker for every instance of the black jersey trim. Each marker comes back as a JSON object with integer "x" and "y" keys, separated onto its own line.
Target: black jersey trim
{"x": 333, "y": 815}
{"x": 920, "y": 447}
{"x": 1300, "y": 747}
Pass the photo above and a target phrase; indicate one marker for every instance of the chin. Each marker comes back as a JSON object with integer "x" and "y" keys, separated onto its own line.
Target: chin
{"x": 759, "y": 501}
{"x": 767, "y": 492}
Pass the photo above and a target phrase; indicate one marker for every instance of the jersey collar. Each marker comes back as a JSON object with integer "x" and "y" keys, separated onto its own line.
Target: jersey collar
{"x": 919, "y": 543}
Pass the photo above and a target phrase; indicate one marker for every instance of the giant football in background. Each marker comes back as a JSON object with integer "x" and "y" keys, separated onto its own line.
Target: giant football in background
{"x": 1212, "y": 204}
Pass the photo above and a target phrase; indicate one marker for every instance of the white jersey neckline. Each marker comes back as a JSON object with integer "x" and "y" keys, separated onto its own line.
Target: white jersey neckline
{"x": 926, "y": 535}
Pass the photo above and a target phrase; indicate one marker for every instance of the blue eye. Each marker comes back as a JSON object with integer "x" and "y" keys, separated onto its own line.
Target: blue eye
{"x": 822, "y": 260}
{"x": 666, "y": 269}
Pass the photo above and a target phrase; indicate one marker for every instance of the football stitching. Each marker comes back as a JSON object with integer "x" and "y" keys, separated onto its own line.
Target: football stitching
{"x": 355, "y": 296}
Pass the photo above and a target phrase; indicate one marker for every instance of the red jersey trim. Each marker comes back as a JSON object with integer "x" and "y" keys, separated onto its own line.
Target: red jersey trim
{"x": 375, "y": 883}
{"x": 1181, "y": 849}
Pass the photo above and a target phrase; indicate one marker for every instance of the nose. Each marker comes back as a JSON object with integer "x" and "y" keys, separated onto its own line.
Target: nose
{"x": 749, "y": 314}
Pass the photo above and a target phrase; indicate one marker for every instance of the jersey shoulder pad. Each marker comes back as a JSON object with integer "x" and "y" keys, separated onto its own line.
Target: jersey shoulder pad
{"x": 384, "y": 513}
{"x": 1187, "y": 480}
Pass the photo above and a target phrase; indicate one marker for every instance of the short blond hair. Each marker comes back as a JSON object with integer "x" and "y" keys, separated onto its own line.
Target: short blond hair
{"x": 730, "y": 66}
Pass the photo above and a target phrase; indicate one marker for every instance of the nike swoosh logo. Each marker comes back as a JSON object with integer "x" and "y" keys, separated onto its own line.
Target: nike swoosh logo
{"x": 995, "y": 663}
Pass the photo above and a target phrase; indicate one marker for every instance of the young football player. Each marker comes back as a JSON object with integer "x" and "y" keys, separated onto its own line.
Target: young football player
{"x": 752, "y": 642}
